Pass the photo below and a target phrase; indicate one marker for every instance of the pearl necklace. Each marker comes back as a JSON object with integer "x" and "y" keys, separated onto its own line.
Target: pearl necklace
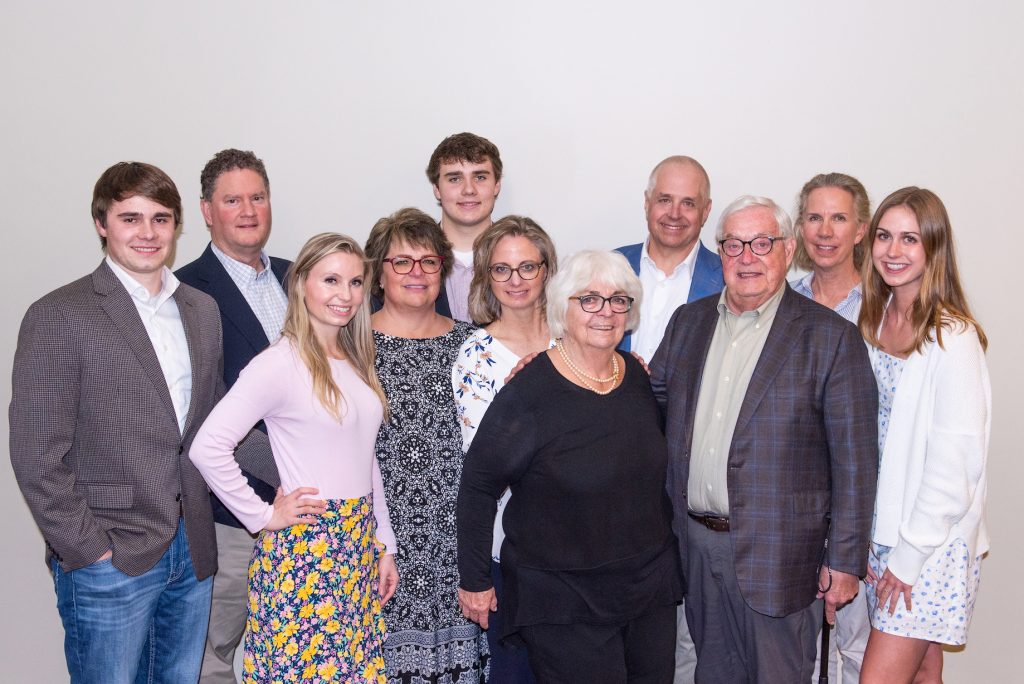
{"x": 583, "y": 377}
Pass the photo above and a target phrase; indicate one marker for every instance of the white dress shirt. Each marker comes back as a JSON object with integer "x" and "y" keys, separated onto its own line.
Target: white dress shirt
{"x": 162, "y": 320}
{"x": 663, "y": 294}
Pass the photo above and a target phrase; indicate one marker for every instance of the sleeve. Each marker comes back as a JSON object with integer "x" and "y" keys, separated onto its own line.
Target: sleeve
{"x": 385, "y": 533}
{"x": 956, "y": 453}
{"x": 660, "y": 364}
{"x": 45, "y": 392}
{"x": 474, "y": 389}
{"x": 850, "y": 407}
{"x": 261, "y": 388}
{"x": 500, "y": 454}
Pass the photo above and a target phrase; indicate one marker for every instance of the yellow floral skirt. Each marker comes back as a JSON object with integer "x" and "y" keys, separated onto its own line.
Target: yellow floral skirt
{"x": 314, "y": 611}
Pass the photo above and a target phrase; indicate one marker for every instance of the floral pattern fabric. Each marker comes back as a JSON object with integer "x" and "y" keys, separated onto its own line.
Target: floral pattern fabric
{"x": 314, "y": 610}
{"x": 942, "y": 599}
{"x": 420, "y": 456}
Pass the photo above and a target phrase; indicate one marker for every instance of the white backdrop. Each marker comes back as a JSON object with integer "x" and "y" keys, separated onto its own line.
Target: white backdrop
{"x": 345, "y": 104}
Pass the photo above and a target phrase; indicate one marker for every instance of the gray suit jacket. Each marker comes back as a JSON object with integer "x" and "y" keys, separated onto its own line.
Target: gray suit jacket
{"x": 95, "y": 443}
{"x": 804, "y": 456}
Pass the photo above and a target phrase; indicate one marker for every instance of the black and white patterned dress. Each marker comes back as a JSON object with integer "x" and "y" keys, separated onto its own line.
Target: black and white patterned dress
{"x": 420, "y": 456}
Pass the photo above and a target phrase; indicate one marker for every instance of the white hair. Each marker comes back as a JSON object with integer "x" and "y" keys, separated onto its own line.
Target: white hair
{"x": 782, "y": 220}
{"x": 583, "y": 268}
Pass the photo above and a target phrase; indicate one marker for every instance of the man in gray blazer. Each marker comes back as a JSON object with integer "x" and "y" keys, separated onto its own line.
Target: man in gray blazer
{"x": 113, "y": 375}
{"x": 248, "y": 286}
{"x": 771, "y": 419}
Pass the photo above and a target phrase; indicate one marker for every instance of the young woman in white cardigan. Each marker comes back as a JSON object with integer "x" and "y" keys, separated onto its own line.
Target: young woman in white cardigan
{"x": 928, "y": 354}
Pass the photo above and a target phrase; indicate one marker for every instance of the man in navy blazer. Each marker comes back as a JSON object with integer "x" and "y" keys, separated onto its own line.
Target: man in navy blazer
{"x": 248, "y": 287}
{"x": 771, "y": 419}
{"x": 674, "y": 267}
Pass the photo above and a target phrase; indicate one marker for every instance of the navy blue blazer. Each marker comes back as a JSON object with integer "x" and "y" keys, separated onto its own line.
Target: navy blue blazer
{"x": 707, "y": 276}
{"x": 243, "y": 338}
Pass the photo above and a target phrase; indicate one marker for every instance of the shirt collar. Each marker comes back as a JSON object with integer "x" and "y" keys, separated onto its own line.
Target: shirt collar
{"x": 685, "y": 266}
{"x": 236, "y": 267}
{"x": 168, "y": 285}
{"x": 770, "y": 306}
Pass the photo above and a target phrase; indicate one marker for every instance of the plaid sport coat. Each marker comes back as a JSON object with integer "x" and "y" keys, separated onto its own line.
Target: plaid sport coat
{"x": 94, "y": 439}
{"x": 804, "y": 456}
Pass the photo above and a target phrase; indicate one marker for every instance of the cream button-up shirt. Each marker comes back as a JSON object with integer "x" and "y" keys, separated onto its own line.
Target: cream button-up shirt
{"x": 735, "y": 349}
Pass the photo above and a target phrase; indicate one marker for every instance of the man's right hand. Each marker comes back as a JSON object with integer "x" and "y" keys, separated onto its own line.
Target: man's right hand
{"x": 521, "y": 365}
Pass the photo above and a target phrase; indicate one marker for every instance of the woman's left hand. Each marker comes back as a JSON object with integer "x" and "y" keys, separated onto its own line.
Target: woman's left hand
{"x": 889, "y": 588}
{"x": 388, "y": 577}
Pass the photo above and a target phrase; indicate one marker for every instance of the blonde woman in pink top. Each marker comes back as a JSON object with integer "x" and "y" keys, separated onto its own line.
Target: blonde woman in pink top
{"x": 324, "y": 563}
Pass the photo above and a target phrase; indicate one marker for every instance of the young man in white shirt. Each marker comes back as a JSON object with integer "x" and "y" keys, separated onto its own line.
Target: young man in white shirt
{"x": 465, "y": 171}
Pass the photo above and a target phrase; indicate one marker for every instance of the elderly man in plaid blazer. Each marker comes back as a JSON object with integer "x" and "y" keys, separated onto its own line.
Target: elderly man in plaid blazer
{"x": 113, "y": 375}
{"x": 771, "y": 418}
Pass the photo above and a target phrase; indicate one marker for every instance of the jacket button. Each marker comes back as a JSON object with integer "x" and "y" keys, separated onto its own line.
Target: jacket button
{"x": 177, "y": 497}
{"x": 181, "y": 449}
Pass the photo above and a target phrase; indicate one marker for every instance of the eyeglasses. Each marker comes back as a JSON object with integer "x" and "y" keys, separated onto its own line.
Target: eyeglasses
{"x": 528, "y": 270}
{"x": 760, "y": 246}
{"x": 593, "y": 303}
{"x": 403, "y": 264}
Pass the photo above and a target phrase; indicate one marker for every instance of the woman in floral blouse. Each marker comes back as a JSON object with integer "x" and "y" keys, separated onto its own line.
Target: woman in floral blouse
{"x": 513, "y": 260}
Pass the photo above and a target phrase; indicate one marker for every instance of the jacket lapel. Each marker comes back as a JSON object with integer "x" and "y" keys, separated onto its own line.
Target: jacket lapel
{"x": 693, "y": 361}
{"x": 117, "y": 303}
{"x": 190, "y": 321}
{"x": 232, "y": 304}
{"x": 774, "y": 355}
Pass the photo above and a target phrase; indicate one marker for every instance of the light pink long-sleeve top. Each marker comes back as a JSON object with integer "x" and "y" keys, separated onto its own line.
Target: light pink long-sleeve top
{"x": 311, "y": 448}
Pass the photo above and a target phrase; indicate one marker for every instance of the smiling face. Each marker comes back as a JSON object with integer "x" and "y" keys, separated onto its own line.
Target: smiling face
{"x": 751, "y": 280}
{"x": 517, "y": 293}
{"x": 602, "y": 330}
{"x": 139, "y": 234}
{"x": 333, "y": 293}
{"x": 676, "y": 209}
{"x": 467, "y": 191}
{"x": 829, "y": 228}
{"x": 898, "y": 252}
{"x": 415, "y": 289}
{"x": 239, "y": 215}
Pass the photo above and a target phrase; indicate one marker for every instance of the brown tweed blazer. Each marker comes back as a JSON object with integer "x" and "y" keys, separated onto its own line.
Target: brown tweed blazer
{"x": 804, "y": 456}
{"x": 95, "y": 443}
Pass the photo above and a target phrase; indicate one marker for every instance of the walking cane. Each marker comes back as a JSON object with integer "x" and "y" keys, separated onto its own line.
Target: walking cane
{"x": 823, "y": 661}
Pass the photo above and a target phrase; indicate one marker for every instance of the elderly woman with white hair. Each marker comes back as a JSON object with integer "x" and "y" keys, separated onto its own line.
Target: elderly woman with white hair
{"x": 589, "y": 563}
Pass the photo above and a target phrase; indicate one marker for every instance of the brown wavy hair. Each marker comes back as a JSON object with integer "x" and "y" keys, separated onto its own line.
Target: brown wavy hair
{"x": 941, "y": 304}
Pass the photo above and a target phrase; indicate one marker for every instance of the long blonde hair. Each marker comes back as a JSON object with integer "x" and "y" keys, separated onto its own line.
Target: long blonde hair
{"x": 940, "y": 304}
{"x": 354, "y": 339}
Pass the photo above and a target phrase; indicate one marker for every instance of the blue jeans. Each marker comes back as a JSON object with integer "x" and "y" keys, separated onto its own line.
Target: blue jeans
{"x": 120, "y": 629}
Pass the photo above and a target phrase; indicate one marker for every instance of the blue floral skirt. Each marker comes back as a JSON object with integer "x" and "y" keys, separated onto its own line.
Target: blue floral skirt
{"x": 942, "y": 599}
{"x": 314, "y": 611}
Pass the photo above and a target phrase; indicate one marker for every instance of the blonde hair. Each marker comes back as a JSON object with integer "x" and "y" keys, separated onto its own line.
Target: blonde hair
{"x": 354, "y": 339}
{"x": 861, "y": 207}
{"x": 940, "y": 304}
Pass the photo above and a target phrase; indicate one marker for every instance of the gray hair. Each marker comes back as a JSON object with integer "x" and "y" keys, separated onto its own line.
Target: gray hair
{"x": 578, "y": 271}
{"x": 681, "y": 160}
{"x": 782, "y": 219}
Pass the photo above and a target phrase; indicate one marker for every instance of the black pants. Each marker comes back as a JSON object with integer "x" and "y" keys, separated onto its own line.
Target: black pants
{"x": 641, "y": 651}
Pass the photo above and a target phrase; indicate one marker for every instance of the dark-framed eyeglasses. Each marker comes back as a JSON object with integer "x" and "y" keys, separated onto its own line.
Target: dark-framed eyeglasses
{"x": 760, "y": 246}
{"x": 527, "y": 270}
{"x": 403, "y": 264}
{"x": 593, "y": 303}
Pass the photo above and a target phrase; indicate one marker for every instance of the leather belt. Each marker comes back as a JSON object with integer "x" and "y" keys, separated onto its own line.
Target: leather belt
{"x": 715, "y": 523}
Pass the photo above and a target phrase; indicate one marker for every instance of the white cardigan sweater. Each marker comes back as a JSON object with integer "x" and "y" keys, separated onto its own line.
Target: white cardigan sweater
{"x": 932, "y": 477}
